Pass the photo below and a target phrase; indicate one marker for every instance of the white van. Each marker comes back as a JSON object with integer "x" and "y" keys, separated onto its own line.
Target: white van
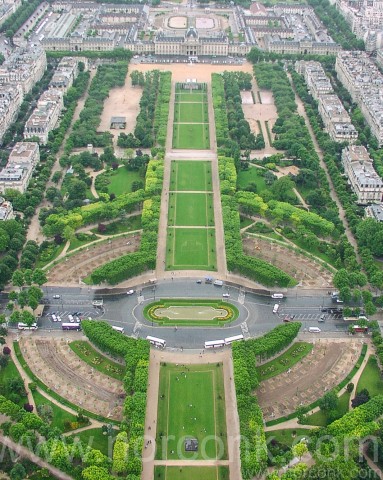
{"x": 276, "y": 308}
{"x": 71, "y": 318}
{"x": 54, "y": 318}
{"x": 314, "y": 330}
{"x": 277, "y": 295}
{"x": 218, "y": 283}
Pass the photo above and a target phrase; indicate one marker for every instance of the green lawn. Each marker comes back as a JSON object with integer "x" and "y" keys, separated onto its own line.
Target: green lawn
{"x": 8, "y": 372}
{"x": 371, "y": 378}
{"x": 191, "y": 209}
{"x": 81, "y": 239}
{"x": 121, "y": 180}
{"x": 246, "y": 177}
{"x": 121, "y": 226}
{"x": 191, "y": 404}
{"x": 190, "y": 175}
{"x": 285, "y": 361}
{"x": 94, "y": 438}
{"x": 150, "y": 312}
{"x": 245, "y": 222}
{"x": 191, "y": 473}
{"x": 191, "y": 135}
{"x": 60, "y": 416}
{"x": 182, "y": 96}
{"x": 191, "y": 112}
{"x": 288, "y": 436}
{"x": 99, "y": 362}
{"x": 191, "y": 248}
{"x": 321, "y": 419}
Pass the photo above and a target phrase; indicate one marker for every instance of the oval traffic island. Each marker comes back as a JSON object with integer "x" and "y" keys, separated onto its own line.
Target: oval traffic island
{"x": 190, "y": 312}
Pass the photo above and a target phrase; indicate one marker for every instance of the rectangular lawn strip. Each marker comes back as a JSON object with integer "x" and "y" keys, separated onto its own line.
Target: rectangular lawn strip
{"x": 94, "y": 438}
{"x": 285, "y": 361}
{"x": 191, "y": 209}
{"x": 61, "y": 418}
{"x": 191, "y": 473}
{"x": 191, "y": 248}
{"x": 191, "y": 404}
{"x": 371, "y": 378}
{"x": 190, "y": 175}
{"x": 183, "y": 96}
{"x": 96, "y": 360}
{"x": 190, "y": 112}
{"x": 191, "y": 136}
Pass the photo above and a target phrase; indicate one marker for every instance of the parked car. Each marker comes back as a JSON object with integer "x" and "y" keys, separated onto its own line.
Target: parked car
{"x": 322, "y": 318}
{"x": 56, "y": 296}
{"x": 130, "y": 292}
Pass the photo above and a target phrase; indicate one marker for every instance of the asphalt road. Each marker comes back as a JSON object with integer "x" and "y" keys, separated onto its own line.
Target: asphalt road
{"x": 256, "y": 311}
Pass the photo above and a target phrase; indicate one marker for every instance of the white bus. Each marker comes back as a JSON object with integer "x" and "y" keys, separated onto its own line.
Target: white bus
{"x": 215, "y": 344}
{"x": 230, "y": 340}
{"x": 277, "y": 295}
{"x": 71, "y": 326}
{"x": 276, "y": 308}
{"x": 157, "y": 342}
{"x": 24, "y": 326}
{"x": 118, "y": 329}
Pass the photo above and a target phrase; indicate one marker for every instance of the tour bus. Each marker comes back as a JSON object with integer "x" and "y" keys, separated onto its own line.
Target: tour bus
{"x": 157, "y": 342}
{"x": 118, "y": 329}
{"x": 276, "y": 308}
{"x": 71, "y": 326}
{"x": 215, "y": 344}
{"x": 230, "y": 340}
{"x": 24, "y": 326}
{"x": 360, "y": 329}
{"x": 277, "y": 295}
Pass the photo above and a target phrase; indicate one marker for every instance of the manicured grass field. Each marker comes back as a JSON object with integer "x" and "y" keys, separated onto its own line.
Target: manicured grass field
{"x": 252, "y": 175}
{"x": 288, "y": 436}
{"x": 190, "y": 175}
{"x": 285, "y": 361}
{"x": 191, "y": 404}
{"x": 60, "y": 416}
{"x": 7, "y": 373}
{"x": 321, "y": 419}
{"x": 191, "y": 112}
{"x": 94, "y": 438}
{"x": 121, "y": 180}
{"x": 191, "y": 473}
{"x": 371, "y": 378}
{"x": 99, "y": 362}
{"x": 191, "y": 209}
{"x": 191, "y": 135}
{"x": 198, "y": 304}
{"x": 186, "y": 97}
{"x": 191, "y": 248}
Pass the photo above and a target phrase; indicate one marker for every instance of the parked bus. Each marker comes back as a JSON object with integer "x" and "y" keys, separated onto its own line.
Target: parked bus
{"x": 118, "y": 329}
{"x": 157, "y": 342}
{"x": 359, "y": 329}
{"x": 276, "y": 308}
{"x": 277, "y": 295}
{"x": 71, "y": 326}
{"x": 230, "y": 340}
{"x": 215, "y": 344}
{"x": 24, "y": 326}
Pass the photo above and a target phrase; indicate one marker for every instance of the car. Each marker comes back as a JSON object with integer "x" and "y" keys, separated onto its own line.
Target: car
{"x": 322, "y": 318}
{"x": 226, "y": 295}
{"x": 199, "y": 282}
{"x": 56, "y": 296}
{"x": 325, "y": 309}
{"x": 130, "y": 292}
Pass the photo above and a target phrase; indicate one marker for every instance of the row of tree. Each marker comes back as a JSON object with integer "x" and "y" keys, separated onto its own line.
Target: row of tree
{"x": 253, "y": 448}
{"x": 129, "y": 443}
{"x": 19, "y": 17}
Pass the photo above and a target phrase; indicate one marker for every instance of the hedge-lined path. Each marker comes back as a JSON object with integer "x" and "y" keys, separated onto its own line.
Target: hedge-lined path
{"x": 232, "y": 420}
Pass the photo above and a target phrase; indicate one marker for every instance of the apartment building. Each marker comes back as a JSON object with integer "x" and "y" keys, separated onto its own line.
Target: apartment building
{"x": 45, "y": 116}
{"x": 24, "y": 153}
{"x": 6, "y": 210}
{"x": 336, "y": 120}
{"x": 24, "y": 67}
{"x": 361, "y": 77}
{"x": 316, "y": 79}
{"x": 65, "y": 74}
{"x": 364, "y": 181}
{"x": 11, "y": 97}
{"x": 375, "y": 211}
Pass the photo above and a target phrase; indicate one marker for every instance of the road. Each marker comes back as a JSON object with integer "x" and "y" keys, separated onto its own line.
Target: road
{"x": 256, "y": 316}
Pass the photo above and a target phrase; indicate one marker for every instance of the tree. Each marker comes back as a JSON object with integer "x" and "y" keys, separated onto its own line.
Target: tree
{"x": 329, "y": 401}
{"x": 18, "y": 278}
{"x": 18, "y": 472}
{"x": 360, "y": 398}
{"x": 39, "y": 277}
{"x": 299, "y": 450}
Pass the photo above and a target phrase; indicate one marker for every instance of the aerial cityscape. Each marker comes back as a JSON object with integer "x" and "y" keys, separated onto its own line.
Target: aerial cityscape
{"x": 191, "y": 240}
